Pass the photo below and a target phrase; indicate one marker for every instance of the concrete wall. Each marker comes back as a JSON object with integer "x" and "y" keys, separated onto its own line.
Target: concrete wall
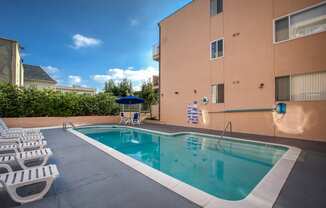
{"x": 155, "y": 113}
{"x": 250, "y": 59}
{"x": 28, "y": 122}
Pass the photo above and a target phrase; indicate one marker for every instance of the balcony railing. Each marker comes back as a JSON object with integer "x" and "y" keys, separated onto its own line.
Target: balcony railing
{"x": 156, "y": 52}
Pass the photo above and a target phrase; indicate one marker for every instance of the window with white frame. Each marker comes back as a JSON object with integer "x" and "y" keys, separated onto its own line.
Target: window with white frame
{"x": 300, "y": 24}
{"x": 218, "y": 93}
{"x": 304, "y": 87}
{"x": 217, "y": 48}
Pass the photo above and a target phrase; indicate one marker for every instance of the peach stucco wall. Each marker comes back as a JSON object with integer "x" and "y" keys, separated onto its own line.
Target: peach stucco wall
{"x": 27, "y": 122}
{"x": 250, "y": 58}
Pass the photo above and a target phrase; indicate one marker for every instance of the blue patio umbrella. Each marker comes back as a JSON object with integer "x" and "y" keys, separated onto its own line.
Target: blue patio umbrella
{"x": 130, "y": 100}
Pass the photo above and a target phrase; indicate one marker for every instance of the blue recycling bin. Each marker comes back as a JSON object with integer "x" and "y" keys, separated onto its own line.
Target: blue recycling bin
{"x": 281, "y": 108}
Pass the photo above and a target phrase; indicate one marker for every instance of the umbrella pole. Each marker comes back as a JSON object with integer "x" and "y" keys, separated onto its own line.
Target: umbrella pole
{"x": 139, "y": 109}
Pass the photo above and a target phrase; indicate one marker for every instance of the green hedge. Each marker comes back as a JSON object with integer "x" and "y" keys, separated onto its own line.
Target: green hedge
{"x": 28, "y": 102}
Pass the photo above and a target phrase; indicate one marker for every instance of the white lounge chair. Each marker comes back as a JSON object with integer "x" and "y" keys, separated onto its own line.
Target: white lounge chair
{"x": 123, "y": 118}
{"x": 4, "y": 129}
{"x": 14, "y": 180}
{"x": 16, "y": 134}
{"x": 20, "y": 158}
{"x": 21, "y": 147}
{"x": 20, "y": 139}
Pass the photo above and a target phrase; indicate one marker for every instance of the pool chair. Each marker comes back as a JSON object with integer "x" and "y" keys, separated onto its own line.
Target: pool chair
{"x": 14, "y": 181}
{"x": 123, "y": 118}
{"x": 4, "y": 133}
{"x": 136, "y": 118}
{"x": 21, "y": 147}
{"x": 40, "y": 156}
{"x": 4, "y": 129}
{"x": 20, "y": 138}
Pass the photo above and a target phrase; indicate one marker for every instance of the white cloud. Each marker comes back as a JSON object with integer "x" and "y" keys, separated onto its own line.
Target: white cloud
{"x": 136, "y": 76}
{"x": 137, "y": 86}
{"x": 74, "y": 79}
{"x": 51, "y": 69}
{"x": 101, "y": 78}
{"x": 24, "y": 54}
{"x": 134, "y": 22}
{"x": 80, "y": 41}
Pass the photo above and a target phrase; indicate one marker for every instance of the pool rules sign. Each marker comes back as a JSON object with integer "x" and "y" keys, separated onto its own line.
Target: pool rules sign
{"x": 193, "y": 113}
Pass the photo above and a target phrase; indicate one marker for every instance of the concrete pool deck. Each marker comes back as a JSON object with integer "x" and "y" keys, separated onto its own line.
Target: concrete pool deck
{"x": 109, "y": 183}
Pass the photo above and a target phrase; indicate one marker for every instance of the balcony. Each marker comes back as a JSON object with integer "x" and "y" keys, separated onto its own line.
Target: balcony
{"x": 156, "y": 52}
{"x": 155, "y": 82}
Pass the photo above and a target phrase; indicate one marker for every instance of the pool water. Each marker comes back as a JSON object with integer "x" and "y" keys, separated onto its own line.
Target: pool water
{"x": 228, "y": 169}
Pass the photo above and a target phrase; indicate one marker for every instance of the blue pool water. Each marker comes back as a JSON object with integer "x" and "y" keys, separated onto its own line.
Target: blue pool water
{"x": 227, "y": 169}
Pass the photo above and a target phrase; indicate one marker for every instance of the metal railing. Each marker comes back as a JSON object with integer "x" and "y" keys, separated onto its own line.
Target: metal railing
{"x": 65, "y": 125}
{"x": 156, "y": 52}
{"x": 228, "y": 125}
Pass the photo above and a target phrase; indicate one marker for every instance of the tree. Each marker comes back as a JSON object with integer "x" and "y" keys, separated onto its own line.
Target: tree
{"x": 125, "y": 87}
{"x": 121, "y": 89}
{"x": 149, "y": 95}
{"x": 110, "y": 87}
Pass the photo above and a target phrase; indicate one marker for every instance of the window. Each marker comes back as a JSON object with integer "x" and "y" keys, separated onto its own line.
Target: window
{"x": 216, "y": 7}
{"x": 300, "y": 24}
{"x": 218, "y": 93}
{"x": 282, "y": 88}
{"x": 282, "y": 29}
{"x": 302, "y": 87}
{"x": 217, "y": 48}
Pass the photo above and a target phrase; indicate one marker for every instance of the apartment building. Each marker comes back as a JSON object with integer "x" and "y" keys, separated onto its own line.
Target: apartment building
{"x": 75, "y": 89}
{"x": 244, "y": 57}
{"x": 11, "y": 67}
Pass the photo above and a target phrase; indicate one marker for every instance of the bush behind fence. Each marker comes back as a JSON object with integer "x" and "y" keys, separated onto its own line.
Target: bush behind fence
{"x": 30, "y": 102}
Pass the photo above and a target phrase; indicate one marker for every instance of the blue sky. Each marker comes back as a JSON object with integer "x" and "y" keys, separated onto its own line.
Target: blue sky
{"x": 86, "y": 42}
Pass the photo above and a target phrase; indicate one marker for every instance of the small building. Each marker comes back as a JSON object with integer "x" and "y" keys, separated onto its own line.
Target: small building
{"x": 75, "y": 89}
{"x": 11, "y": 67}
{"x": 37, "y": 77}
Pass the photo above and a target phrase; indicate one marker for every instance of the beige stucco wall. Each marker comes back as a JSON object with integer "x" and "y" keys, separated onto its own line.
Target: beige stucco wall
{"x": 250, "y": 58}
{"x": 155, "y": 111}
{"x": 17, "y": 66}
{"x": 5, "y": 60}
{"x": 11, "y": 67}
{"x": 28, "y": 122}
{"x": 38, "y": 84}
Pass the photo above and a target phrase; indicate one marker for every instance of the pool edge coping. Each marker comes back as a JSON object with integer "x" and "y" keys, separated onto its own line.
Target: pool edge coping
{"x": 264, "y": 194}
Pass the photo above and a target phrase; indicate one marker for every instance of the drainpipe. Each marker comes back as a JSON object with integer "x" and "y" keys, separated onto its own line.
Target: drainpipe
{"x": 159, "y": 71}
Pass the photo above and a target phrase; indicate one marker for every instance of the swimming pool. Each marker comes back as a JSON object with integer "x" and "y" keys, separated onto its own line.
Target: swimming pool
{"x": 228, "y": 169}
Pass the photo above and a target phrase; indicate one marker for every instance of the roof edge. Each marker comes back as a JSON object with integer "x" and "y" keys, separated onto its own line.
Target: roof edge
{"x": 6, "y": 39}
{"x": 175, "y": 12}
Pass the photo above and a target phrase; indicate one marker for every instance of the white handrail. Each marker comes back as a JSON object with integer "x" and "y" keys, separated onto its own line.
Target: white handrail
{"x": 228, "y": 124}
{"x": 65, "y": 125}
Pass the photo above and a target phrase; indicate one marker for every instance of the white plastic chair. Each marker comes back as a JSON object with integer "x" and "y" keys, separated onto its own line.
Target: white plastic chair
{"x": 20, "y": 138}
{"x": 21, "y": 158}
{"x": 21, "y": 147}
{"x": 13, "y": 180}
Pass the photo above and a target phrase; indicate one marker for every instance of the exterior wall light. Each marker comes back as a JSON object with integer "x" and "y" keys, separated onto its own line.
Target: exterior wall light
{"x": 205, "y": 100}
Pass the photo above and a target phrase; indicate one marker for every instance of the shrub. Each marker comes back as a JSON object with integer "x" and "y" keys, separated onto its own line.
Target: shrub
{"x": 28, "y": 102}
